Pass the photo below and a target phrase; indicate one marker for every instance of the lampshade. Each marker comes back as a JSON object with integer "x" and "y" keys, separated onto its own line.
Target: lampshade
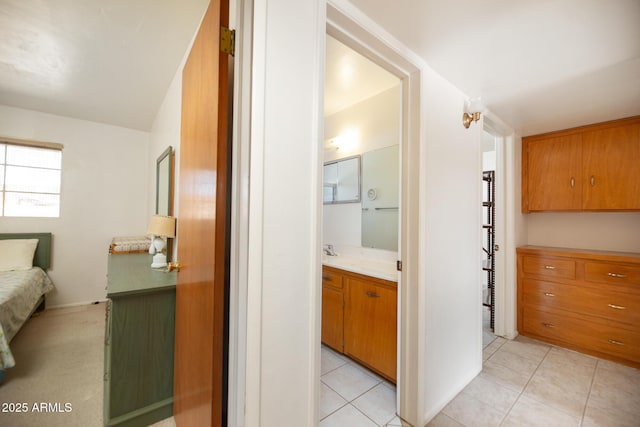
{"x": 161, "y": 225}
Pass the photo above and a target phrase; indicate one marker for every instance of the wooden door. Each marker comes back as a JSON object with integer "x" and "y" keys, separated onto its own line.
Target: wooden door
{"x": 370, "y": 329}
{"x": 611, "y": 160}
{"x": 554, "y": 174}
{"x": 200, "y": 382}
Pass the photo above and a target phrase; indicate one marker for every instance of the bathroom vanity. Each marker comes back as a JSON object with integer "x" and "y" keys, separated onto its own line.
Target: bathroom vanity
{"x": 359, "y": 312}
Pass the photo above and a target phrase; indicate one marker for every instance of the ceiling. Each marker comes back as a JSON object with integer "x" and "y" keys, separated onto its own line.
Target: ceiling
{"x": 537, "y": 65}
{"x": 109, "y": 61}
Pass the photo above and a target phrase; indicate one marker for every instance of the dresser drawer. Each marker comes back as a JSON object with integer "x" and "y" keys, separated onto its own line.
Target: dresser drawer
{"x": 602, "y": 272}
{"x": 606, "y": 303}
{"x": 331, "y": 278}
{"x": 580, "y": 331}
{"x": 549, "y": 267}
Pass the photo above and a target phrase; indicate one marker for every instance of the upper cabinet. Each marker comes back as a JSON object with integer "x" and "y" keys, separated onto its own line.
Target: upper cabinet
{"x": 591, "y": 168}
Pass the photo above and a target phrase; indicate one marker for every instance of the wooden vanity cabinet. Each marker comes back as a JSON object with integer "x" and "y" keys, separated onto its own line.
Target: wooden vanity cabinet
{"x": 359, "y": 319}
{"x": 590, "y": 168}
{"x": 585, "y": 300}
{"x": 370, "y": 324}
{"x": 332, "y": 309}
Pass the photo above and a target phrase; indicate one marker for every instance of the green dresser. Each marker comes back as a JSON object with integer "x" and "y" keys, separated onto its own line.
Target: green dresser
{"x": 138, "y": 346}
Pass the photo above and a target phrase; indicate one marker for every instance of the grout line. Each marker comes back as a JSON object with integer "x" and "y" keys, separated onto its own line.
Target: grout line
{"x": 525, "y": 386}
{"x": 593, "y": 379}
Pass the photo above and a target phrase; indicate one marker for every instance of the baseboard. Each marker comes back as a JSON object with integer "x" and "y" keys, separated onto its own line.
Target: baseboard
{"x": 75, "y": 304}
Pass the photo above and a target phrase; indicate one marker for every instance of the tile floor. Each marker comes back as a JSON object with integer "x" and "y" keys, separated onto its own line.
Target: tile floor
{"x": 525, "y": 382}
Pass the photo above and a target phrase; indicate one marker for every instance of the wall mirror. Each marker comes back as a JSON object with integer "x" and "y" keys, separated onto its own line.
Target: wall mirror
{"x": 164, "y": 182}
{"x": 380, "y": 199}
{"x": 341, "y": 181}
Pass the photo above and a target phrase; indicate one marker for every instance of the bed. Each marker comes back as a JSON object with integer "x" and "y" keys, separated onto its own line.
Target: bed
{"x": 22, "y": 289}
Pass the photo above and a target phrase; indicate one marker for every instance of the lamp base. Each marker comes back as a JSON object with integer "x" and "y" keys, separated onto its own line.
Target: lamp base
{"x": 159, "y": 261}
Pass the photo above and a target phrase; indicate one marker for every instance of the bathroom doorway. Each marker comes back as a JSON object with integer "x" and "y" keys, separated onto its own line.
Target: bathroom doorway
{"x": 493, "y": 226}
{"x": 361, "y": 238}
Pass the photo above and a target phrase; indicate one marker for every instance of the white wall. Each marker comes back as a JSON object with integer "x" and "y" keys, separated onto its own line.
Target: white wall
{"x": 104, "y": 193}
{"x": 376, "y": 122}
{"x": 450, "y": 247}
{"x": 284, "y": 241}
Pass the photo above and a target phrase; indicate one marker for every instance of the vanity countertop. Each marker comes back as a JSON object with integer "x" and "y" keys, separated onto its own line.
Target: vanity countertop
{"x": 381, "y": 269}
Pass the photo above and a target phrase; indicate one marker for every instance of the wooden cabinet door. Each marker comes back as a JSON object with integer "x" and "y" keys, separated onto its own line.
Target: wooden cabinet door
{"x": 370, "y": 325}
{"x": 333, "y": 318}
{"x": 554, "y": 174}
{"x": 611, "y": 171}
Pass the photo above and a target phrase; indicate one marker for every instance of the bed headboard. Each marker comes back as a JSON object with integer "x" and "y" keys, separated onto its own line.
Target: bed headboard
{"x": 42, "y": 257}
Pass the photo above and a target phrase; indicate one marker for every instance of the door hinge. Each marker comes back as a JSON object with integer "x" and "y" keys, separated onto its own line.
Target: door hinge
{"x": 399, "y": 265}
{"x": 228, "y": 40}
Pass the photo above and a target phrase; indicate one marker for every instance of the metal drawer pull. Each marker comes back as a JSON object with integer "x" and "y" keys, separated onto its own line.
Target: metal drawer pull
{"x": 328, "y": 279}
{"x": 593, "y": 181}
{"x": 615, "y": 342}
{"x": 573, "y": 182}
{"x": 620, "y": 276}
{"x": 548, "y": 325}
{"x": 549, "y": 267}
{"x": 549, "y": 294}
{"x": 617, "y": 307}
{"x": 372, "y": 294}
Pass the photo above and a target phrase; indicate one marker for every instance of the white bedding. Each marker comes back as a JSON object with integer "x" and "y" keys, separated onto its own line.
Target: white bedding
{"x": 19, "y": 292}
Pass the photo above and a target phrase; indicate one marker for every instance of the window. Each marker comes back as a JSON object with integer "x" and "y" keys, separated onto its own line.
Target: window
{"x": 30, "y": 179}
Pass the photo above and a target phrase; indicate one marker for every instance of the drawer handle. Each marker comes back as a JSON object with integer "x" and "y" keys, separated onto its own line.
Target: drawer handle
{"x": 548, "y": 325}
{"x": 372, "y": 294}
{"x": 549, "y": 267}
{"x": 573, "y": 182}
{"x": 618, "y": 275}
{"x": 617, "y": 307}
{"x": 549, "y": 294}
{"x": 614, "y": 342}
{"x": 327, "y": 278}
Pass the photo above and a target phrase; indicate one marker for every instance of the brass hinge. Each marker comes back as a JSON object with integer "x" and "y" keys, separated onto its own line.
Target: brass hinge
{"x": 228, "y": 40}
{"x": 399, "y": 265}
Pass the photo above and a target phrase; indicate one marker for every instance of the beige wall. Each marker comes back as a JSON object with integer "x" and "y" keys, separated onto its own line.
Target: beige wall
{"x": 104, "y": 193}
{"x": 611, "y": 231}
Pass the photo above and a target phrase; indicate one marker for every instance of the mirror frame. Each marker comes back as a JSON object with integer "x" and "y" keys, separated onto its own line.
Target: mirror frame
{"x": 165, "y": 160}
{"x": 359, "y": 199}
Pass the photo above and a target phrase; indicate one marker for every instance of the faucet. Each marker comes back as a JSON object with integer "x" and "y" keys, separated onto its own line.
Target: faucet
{"x": 328, "y": 249}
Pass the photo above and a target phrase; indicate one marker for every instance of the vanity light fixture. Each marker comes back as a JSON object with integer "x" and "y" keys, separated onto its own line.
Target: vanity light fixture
{"x": 161, "y": 227}
{"x": 473, "y": 109}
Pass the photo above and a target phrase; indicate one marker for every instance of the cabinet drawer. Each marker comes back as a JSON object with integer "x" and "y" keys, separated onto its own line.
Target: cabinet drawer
{"x": 550, "y": 267}
{"x": 606, "y": 337}
{"x": 606, "y": 303}
{"x": 331, "y": 278}
{"x": 602, "y": 272}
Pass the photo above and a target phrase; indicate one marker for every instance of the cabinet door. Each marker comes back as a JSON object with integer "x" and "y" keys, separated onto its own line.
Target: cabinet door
{"x": 554, "y": 174}
{"x": 333, "y": 318}
{"x": 370, "y": 325}
{"x": 611, "y": 179}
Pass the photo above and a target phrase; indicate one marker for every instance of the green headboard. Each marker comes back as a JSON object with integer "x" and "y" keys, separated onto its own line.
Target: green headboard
{"x": 42, "y": 257}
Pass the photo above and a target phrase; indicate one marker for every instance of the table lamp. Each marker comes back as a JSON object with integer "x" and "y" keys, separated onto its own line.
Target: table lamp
{"x": 160, "y": 228}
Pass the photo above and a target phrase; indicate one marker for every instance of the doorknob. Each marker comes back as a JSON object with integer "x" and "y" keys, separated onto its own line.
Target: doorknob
{"x": 173, "y": 266}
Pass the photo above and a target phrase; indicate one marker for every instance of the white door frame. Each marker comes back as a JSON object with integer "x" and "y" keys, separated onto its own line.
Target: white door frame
{"x": 504, "y": 325}
{"x": 348, "y": 25}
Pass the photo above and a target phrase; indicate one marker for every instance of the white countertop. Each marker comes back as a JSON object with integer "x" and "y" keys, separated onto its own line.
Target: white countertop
{"x": 381, "y": 269}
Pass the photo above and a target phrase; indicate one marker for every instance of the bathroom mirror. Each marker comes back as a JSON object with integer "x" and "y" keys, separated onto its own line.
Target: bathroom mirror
{"x": 164, "y": 182}
{"x": 380, "y": 198}
{"x": 341, "y": 181}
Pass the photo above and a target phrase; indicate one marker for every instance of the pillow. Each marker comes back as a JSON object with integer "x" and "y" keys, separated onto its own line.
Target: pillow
{"x": 17, "y": 254}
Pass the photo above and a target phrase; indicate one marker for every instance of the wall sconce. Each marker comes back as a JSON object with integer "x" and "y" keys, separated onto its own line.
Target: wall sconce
{"x": 473, "y": 109}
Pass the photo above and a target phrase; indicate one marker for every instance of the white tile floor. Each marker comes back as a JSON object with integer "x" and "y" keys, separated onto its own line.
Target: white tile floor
{"x": 353, "y": 396}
